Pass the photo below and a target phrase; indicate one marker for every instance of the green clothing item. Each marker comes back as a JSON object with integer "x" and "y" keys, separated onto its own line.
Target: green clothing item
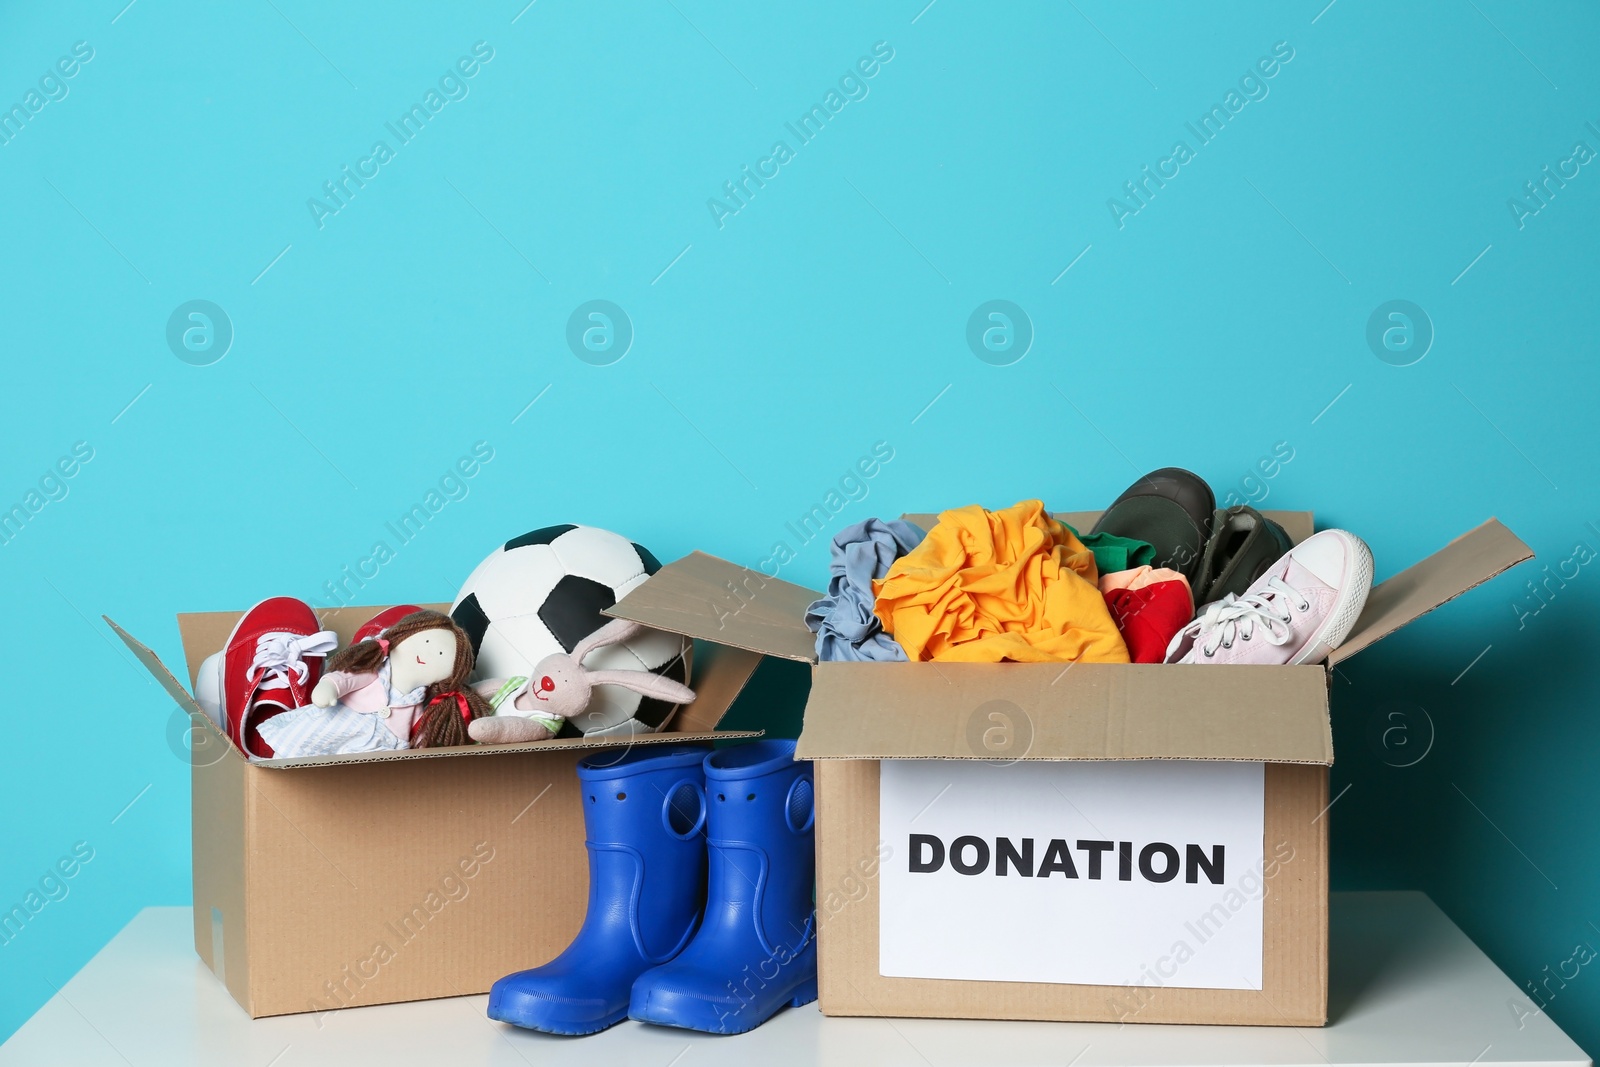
{"x": 1113, "y": 553}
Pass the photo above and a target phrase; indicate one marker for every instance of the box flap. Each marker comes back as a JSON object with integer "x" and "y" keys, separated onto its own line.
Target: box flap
{"x": 158, "y": 670}
{"x": 1053, "y": 711}
{"x": 719, "y": 675}
{"x": 714, "y": 600}
{"x": 1297, "y": 524}
{"x": 1463, "y": 564}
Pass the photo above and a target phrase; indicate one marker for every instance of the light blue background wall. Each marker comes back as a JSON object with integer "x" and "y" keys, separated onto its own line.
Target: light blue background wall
{"x": 772, "y": 352}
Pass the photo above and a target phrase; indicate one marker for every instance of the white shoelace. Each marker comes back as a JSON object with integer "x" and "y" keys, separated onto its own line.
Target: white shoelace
{"x": 279, "y": 653}
{"x": 1236, "y": 618}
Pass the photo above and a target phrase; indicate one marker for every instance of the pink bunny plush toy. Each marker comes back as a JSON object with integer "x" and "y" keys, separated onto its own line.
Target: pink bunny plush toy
{"x": 534, "y": 708}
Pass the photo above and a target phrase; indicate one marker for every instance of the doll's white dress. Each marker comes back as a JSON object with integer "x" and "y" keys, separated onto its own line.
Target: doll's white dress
{"x": 337, "y": 730}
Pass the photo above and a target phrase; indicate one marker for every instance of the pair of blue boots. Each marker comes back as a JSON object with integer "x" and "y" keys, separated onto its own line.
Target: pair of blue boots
{"x": 675, "y": 833}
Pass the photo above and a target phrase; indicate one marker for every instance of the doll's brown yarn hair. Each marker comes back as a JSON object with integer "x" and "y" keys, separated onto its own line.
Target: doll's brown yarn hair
{"x": 439, "y": 722}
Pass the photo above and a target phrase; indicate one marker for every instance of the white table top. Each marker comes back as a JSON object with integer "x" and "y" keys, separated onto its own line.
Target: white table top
{"x": 1407, "y": 987}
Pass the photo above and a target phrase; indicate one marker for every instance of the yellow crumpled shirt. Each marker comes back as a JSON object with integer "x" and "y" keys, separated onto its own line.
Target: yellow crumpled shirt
{"x": 987, "y": 586}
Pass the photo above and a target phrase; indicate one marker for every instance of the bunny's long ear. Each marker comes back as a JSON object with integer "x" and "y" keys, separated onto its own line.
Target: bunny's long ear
{"x": 611, "y": 633}
{"x": 651, "y": 685}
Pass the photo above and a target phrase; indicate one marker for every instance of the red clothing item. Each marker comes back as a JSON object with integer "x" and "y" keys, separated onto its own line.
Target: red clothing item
{"x": 1149, "y": 607}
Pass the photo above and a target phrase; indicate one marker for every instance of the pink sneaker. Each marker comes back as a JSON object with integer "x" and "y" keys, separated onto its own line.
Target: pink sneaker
{"x": 1298, "y": 611}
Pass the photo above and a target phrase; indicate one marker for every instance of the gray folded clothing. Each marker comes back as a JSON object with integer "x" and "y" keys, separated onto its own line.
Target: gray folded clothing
{"x": 843, "y": 621}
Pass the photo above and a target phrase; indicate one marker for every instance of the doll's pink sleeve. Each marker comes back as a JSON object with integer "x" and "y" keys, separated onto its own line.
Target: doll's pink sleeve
{"x": 348, "y": 681}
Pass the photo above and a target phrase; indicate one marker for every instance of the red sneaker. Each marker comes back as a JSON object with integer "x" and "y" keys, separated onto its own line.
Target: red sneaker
{"x": 381, "y": 622}
{"x": 270, "y": 664}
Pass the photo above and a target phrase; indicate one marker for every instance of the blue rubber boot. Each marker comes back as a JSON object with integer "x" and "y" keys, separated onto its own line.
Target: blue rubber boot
{"x": 643, "y": 815}
{"x": 757, "y": 949}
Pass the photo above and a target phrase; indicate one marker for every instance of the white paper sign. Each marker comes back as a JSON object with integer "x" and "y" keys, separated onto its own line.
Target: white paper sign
{"x": 1102, "y": 873}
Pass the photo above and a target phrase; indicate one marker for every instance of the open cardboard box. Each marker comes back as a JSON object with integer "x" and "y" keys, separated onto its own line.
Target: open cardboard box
{"x": 324, "y": 882}
{"x": 1269, "y": 722}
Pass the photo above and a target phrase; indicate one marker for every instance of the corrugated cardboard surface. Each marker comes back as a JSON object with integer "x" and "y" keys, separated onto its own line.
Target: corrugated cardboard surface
{"x": 1053, "y": 711}
{"x": 369, "y": 884}
{"x": 1467, "y": 562}
{"x": 345, "y": 887}
{"x": 1294, "y": 933}
{"x": 218, "y": 832}
{"x": 714, "y": 600}
{"x": 368, "y": 881}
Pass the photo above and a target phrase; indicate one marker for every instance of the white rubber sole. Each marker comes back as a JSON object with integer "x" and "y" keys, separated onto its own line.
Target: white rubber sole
{"x": 1347, "y": 609}
{"x": 208, "y": 690}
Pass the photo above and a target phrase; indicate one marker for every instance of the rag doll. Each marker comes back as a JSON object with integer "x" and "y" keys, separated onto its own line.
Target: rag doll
{"x": 534, "y": 708}
{"x": 405, "y": 688}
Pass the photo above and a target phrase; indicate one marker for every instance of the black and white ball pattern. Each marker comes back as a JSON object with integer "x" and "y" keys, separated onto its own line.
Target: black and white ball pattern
{"x": 544, "y": 592}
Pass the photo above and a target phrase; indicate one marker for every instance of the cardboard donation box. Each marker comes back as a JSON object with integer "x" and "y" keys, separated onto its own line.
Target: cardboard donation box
{"x": 1090, "y": 842}
{"x": 330, "y": 881}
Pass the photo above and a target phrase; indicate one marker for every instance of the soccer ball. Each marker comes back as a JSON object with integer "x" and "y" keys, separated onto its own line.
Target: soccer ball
{"x": 544, "y": 592}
